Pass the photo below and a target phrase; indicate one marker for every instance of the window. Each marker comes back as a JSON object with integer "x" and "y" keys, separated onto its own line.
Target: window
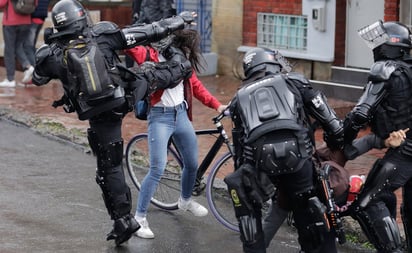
{"x": 279, "y": 31}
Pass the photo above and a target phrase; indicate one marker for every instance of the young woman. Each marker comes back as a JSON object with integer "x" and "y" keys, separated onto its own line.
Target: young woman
{"x": 170, "y": 117}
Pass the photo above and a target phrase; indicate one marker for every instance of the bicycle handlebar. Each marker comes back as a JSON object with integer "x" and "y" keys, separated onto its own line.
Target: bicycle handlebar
{"x": 224, "y": 113}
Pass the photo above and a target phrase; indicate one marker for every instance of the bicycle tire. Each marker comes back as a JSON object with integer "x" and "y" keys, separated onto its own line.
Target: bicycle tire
{"x": 138, "y": 164}
{"x": 218, "y": 197}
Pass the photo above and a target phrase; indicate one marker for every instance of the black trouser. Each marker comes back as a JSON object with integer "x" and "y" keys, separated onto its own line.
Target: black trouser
{"x": 293, "y": 185}
{"x": 407, "y": 213}
{"x": 106, "y": 130}
{"x": 401, "y": 178}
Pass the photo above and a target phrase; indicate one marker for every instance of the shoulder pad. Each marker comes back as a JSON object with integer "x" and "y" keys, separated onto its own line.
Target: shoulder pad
{"x": 104, "y": 27}
{"x": 297, "y": 77}
{"x": 42, "y": 53}
{"x": 382, "y": 70}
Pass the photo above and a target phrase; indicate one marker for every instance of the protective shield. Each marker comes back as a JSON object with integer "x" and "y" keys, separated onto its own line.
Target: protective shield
{"x": 374, "y": 35}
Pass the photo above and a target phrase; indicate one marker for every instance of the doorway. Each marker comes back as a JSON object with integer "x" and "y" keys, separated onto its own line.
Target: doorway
{"x": 360, "y": 13}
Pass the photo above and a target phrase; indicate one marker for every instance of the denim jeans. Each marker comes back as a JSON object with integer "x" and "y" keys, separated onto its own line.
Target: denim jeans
{"x": 14, "y": 37}
{"x": 29, "y": 45}
{"x": 163, "y": 123}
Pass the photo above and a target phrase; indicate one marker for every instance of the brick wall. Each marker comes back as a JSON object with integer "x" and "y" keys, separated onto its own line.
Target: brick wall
{"x": 252, "y": 7}
{"x": 391, "y": 10}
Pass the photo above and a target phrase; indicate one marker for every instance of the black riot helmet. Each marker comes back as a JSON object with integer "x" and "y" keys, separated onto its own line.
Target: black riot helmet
{"x": 388, "y": 40}
{"x": 397, "y": 45}
{"x": 264, "y": 60}
{"x": 399, "y": 34}
{"x": 69, "y": 15}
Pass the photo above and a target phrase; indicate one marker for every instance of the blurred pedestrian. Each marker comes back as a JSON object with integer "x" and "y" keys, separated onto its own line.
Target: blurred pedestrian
{"x": 154, "y": 10}
{"x": 37, "y": 20}
{"x": 15, "y": 29}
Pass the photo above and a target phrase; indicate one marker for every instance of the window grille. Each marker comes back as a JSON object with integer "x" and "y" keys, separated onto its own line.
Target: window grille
{"x": 277, "y": 31}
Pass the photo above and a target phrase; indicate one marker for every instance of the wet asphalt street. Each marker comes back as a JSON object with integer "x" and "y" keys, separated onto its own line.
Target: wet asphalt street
{"x": 49, "y": 202}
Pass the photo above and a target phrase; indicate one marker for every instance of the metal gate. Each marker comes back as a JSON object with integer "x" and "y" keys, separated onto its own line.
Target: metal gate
{"x": 203, "y": 8}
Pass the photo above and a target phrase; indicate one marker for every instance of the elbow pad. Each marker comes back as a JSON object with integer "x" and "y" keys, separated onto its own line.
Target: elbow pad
{"x": 145, "y": 34}
{"x": 365, "y": 108}
{"x": 40, "y": 74}
{"x": 326, "y": 116}
{"x": 368, "y": 102}
{"x": 166, "y": 75}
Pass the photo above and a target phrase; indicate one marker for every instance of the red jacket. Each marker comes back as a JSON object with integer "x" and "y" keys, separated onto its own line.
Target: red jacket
{"x": 10, "y": 17}
{"x": 192, "y": 86}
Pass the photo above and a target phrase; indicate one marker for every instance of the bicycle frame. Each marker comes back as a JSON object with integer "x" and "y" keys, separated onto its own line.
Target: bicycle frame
{"x": 211, "y": 154}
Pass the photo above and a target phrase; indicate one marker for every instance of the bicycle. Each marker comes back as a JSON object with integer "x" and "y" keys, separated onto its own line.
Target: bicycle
{"x": 168, "y": 190}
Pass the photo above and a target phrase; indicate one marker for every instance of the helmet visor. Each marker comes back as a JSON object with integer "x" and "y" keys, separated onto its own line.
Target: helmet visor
{"x": 374, "y": 35}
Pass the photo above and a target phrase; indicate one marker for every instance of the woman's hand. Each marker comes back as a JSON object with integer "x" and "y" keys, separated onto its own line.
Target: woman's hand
{"x": 396, "y": 138}
{"x": 221, "y": 108}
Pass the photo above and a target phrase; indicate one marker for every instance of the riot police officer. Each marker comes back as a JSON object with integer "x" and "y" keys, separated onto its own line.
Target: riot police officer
{"x": 71, "y": 22}
{"x": 274, "y": 144}
{"x": 385, "y": 106}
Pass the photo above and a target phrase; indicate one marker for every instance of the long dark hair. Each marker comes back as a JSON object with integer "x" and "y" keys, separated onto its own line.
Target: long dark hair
{"x": 188, "y": 40}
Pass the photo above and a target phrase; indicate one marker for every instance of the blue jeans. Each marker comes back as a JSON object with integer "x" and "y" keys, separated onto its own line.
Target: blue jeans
{"x": 29, "y": 46}
{"x": 166, "y": 122}
{"x": 14, "y": 37}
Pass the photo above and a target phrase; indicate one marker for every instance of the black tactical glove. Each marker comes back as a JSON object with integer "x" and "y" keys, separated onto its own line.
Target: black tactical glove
{"x": 187, "y": 17}
{"x": 334, "y": 141}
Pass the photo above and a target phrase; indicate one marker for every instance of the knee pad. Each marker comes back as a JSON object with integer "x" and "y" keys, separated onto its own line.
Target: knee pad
{"x": 108, "y": 155}
{"x": 310, "y": 220}
{"x": 377, "y": 180}
{"x": 379, "y": 227}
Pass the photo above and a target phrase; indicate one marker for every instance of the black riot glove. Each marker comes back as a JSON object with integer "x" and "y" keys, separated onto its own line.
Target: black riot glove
{"x": 187, "y": 17}
{"x": 335, "y": 141}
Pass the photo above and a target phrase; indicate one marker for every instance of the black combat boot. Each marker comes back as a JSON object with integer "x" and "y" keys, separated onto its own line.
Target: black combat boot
{"x": 123, "y": 229}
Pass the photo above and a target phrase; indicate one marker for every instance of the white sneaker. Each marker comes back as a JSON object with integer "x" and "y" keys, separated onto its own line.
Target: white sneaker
{"x": 28, "y": 73}
{"x": 192, "y": 206}
{"x": 8, "y": 84}
{"x": 144, "y": 231}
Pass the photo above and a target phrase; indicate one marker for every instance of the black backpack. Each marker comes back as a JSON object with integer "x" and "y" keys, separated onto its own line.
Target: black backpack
{"x": 89, "y": 70}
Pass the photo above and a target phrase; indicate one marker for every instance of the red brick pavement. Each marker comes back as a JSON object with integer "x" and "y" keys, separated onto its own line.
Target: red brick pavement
{"x": 37, "y": 101}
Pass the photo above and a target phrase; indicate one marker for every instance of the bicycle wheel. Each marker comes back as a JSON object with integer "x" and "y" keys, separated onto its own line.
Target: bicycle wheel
{"x": 218, "y": 198}
{"x": 138, "y": 165}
